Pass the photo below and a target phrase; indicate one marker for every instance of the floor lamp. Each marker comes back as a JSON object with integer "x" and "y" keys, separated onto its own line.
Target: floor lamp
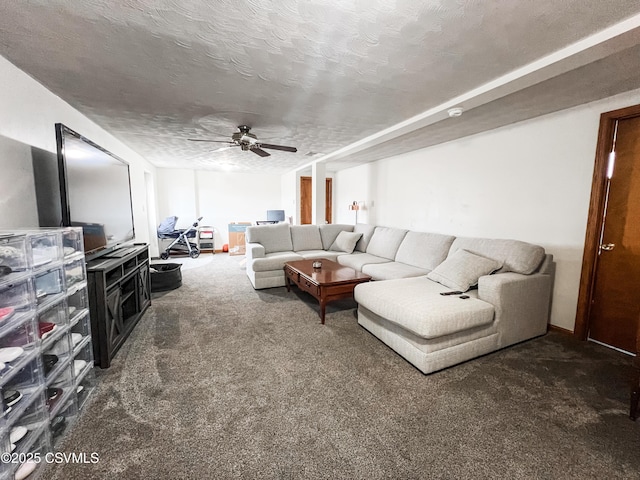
{"x": 356, "y": 207}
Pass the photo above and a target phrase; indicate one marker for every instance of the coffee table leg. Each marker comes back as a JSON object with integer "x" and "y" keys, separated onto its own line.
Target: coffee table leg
{"x": 287, "y": 283}
{"x": 323, "y": 305}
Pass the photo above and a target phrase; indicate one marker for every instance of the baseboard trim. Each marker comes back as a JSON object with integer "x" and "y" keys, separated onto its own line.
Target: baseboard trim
{"x": 554, "y": 328}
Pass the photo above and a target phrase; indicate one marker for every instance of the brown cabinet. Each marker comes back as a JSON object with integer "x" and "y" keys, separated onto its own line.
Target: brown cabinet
{"x": 119, "y": 294}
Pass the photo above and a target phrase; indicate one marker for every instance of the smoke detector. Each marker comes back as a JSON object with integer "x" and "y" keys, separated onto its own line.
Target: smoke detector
{"x": 455, "y": 112}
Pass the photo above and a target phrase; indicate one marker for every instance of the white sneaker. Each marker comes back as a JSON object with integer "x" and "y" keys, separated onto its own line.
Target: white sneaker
{"x": 25, "y": 470}
{"x": 76, "y": 338}
{"x": 9, "y": 354}
{"x": 78, "y": 365}
{"x": 17, "y": 434}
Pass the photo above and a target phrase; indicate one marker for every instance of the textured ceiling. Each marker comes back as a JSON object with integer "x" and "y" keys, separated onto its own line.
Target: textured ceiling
{"x": 316, "y": 74}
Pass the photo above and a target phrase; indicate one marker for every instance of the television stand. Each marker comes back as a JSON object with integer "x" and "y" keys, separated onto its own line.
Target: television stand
{"x": 119, "y": 252}
{"x": 119, "y": 294}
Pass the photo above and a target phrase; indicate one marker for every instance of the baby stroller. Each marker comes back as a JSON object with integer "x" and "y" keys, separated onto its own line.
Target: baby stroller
{"x": 181, "y": 243}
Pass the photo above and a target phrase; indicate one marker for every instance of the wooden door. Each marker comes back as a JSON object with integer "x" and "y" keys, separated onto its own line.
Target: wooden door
{"x": 306, "y": 200}
{"x": 613, "y": 316}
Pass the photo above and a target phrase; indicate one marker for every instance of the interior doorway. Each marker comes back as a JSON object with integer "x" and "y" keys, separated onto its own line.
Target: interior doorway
{"x": 608, "y": 309}
{"x": 306, "y": 199}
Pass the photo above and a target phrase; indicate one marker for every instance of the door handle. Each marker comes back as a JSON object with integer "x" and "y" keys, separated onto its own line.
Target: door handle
{"x": 607, "y": 246}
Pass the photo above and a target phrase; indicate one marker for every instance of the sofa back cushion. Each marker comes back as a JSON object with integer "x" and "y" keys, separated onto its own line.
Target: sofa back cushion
{"x": 367, "y": 233}
{"x": 514, "y": 255}
{"x": 346, "y": 242}
{"x": 424, "y": 250}
{"x": 274, "y": 238}
{"x": 305, "y": 237}
{"x": 385, "y": 242}
{"x": 329, "y": 232}
{"x": 462, "y": 270}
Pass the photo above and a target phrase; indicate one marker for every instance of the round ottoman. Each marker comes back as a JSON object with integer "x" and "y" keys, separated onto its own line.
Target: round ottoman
{"x": 165, "y": 276}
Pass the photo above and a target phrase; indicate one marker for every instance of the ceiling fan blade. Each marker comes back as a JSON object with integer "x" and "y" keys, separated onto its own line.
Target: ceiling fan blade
{"x": 279, "y": 147}
{"x": 224, "y": 148}
{"x": 260, "y": 152}
{"x": 205, "y": 140}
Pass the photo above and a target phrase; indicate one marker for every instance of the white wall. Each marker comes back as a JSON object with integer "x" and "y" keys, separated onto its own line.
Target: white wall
{"x": 219, "y": 197}
{"x": 290, "y": 185}
{"x": 28, "y": 113}
{"x": 529, "y": 181}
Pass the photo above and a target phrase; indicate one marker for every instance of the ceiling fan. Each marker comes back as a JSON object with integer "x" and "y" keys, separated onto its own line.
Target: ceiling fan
{"x": 246, "y": 140}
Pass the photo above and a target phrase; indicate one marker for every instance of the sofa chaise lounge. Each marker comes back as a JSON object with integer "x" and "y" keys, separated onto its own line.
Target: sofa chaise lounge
{"x": 504, "y": 285}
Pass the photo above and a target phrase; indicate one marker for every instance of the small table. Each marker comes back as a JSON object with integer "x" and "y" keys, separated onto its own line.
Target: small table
{"x": 330, "y": 282}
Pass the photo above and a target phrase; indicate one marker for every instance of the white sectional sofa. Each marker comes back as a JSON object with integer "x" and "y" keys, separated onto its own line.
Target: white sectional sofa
{"x": 507, "y": 285}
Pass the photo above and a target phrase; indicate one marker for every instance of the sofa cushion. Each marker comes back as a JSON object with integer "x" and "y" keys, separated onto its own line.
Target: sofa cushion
{"x": 312, "y": 254}
{"x": 462, "y": 270}
{"x": 391, "y": 270}
{"x": 424, "y": 250}
{"x": 357, "y": 260}
{"x": 345, "y": 242}
{"x": 306, "y": 237}
{"x": 385, "y": 242}
{"x": 329, "y": 232}
{"x": 367, "y": 233}
{"x": 416, "y": 305}
{"x": 274, "y": 238}
{"x": 274, "y": 261}
{"x": 514, "y": 255}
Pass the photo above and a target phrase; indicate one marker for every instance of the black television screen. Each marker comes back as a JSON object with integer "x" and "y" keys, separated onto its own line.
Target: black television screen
{"x": 275, "y": 215}
{"x": 95, "y": 189}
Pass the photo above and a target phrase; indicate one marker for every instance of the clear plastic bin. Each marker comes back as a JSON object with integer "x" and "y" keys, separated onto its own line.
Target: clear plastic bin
{"x": 31, "y": 468}
{"x": 49, "y": 284}
{"x": 80, "y": 334}
{"x": 55, "y": 358}
{"x": 82, "y": 362}
{"x": 77, "y": 304}
{"x": 22, "y": 337}
{"x": 72, "y": 241}
{"x": 60, "y": 390}
{"x": 65, "y": 417}
{"x": 75, "y": 272}
{"x": 21, "y": 389}
{"x": 55, "y": 313}
{"x": 18, "y": 347}
{"x": 13, "y": 255}
{"x": 26, "y": 427}
{"x": 45, "y": 248}
{"x": 85, "y": 387}
{"x": 16, "y": 302}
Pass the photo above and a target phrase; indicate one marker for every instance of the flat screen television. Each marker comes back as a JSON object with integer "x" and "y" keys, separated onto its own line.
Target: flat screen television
{"x": 95, "y": 192}
{"x": 275, "y": 215}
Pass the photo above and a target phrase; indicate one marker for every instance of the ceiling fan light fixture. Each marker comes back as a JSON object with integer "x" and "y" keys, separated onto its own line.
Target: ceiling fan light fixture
{"x": 455, "y": 111}
{"x": 249, "y": 142}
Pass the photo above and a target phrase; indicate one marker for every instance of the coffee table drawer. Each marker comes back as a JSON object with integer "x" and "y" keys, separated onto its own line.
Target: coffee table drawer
{"x": 308, "y": 286}
{"x": 292, "y": 274}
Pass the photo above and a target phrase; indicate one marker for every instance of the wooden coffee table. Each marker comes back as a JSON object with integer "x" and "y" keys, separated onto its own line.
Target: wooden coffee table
{"x": 330, "y": 282}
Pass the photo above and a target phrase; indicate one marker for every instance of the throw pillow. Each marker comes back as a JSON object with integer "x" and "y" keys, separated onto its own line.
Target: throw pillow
{"x": 462, "y": 270}
{"x": 345, "y": 242}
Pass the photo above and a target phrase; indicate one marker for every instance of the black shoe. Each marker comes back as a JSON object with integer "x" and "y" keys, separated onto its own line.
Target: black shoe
{"x": 53, "y": 395}
{"x": 49, "y": 361}
{"x": 57, "y": 425}
{"x": 11, "y": 397}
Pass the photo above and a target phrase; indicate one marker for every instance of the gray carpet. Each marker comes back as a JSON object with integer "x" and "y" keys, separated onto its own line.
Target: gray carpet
{"x": 220, "y": 381}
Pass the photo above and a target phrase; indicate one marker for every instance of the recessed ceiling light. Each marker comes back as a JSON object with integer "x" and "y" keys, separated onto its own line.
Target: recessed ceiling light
{"x": 455, "y": 112}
